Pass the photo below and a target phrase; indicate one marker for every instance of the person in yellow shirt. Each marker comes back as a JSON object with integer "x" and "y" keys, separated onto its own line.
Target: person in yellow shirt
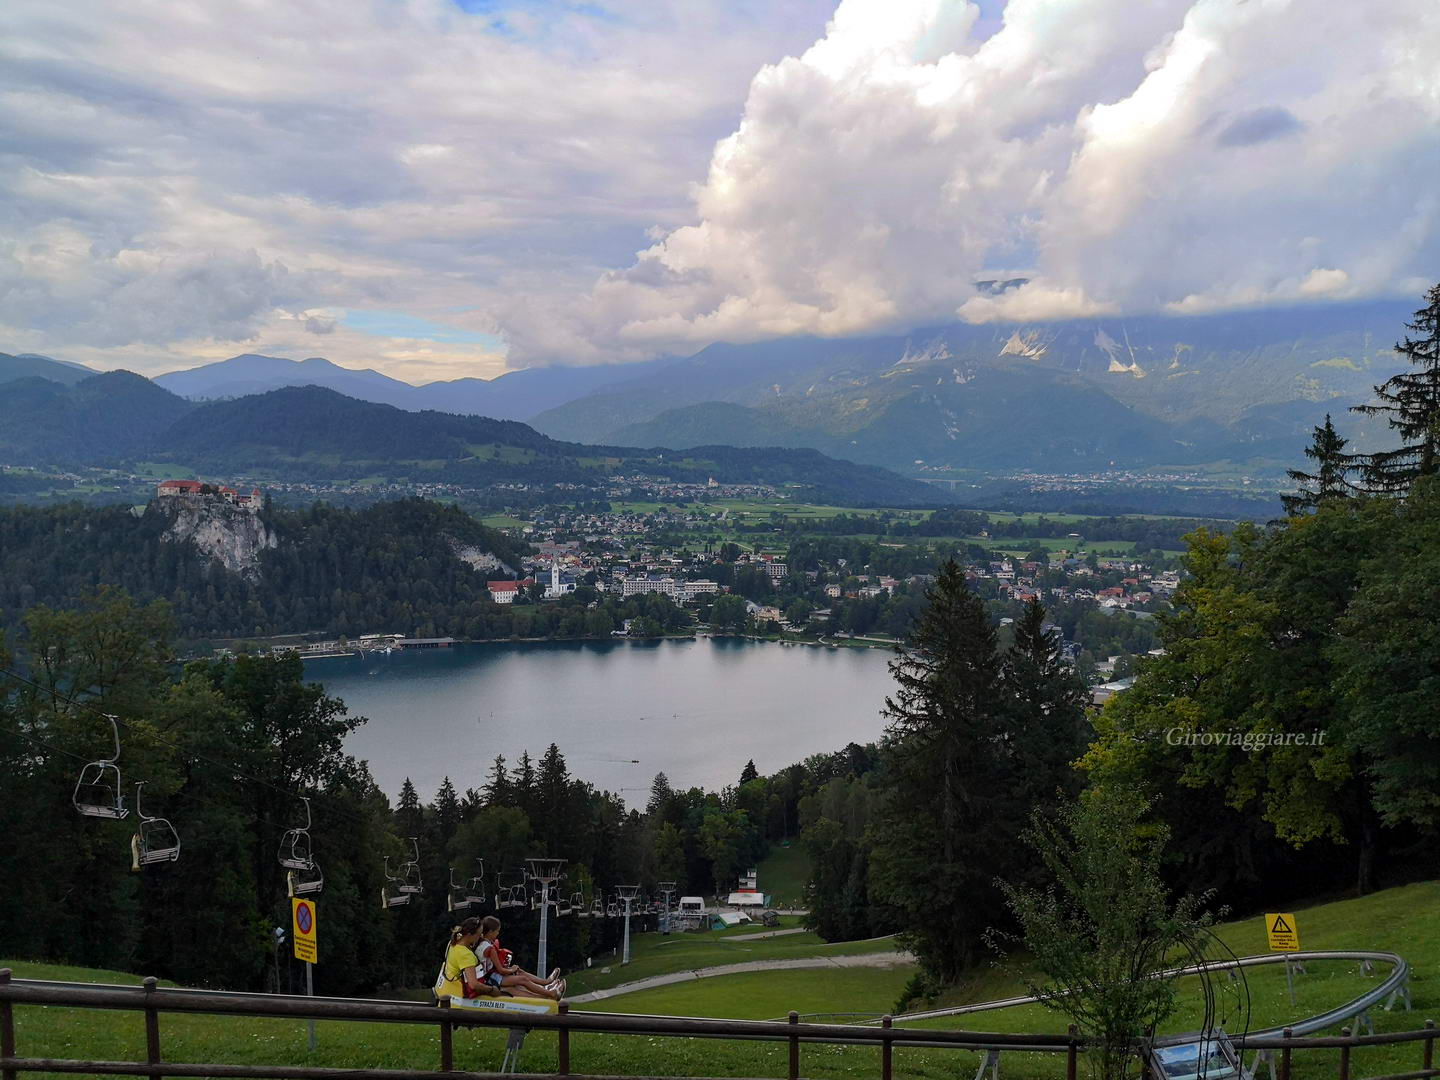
{"x": 459, "y": 976}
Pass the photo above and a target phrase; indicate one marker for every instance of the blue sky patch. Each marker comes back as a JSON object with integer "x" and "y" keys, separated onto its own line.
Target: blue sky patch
{"x": 398, "y": 324}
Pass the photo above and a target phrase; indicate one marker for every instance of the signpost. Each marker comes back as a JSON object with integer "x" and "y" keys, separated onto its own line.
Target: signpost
{"x": 1283, "y": 933}
{"x": 302, "y": 926}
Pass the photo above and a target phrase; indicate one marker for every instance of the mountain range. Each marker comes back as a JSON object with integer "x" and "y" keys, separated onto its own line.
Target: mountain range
{"x": 1245, "y": 387}
{"x": 310, "y": 433}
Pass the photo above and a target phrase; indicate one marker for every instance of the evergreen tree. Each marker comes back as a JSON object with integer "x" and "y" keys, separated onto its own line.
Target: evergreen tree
{"x": 1049, "y": 703}
{"x": 552, "y": 819}
{"x": 497, "y": 790}
{"x": 1410, "y": 402}
{"x": 447, "y": 811}
{"x": 749, "y": 772}
{"x": 409, "y": 816}
{"x": 661, "y": 793}
{"x": 522, "y": 785}
{"x": 1330, "y": 480}
{"x": 949, "y": 825}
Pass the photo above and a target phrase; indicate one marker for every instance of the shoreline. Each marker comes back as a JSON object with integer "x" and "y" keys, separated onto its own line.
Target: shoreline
{"x": 695, "y": 635}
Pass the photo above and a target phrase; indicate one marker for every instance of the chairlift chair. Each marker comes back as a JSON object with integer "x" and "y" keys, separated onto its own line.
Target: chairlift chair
{"x": 597, "y": 908}
{"x": 579, "y": 906}
{"x": 155, "y": 840}
{"x": 562, "y": 904}
{"x": 305, "y": 882}
{"x": 511, "y": 892}
{"x": 410, "y": 883}
{"x": 98, "y": 792}
{"x": 398, "y": 899}
{"x": 472, "y": 893}
{"x": 295, "y": 845}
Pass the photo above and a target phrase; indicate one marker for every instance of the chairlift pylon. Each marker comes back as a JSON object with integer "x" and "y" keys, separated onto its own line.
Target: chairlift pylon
{"x": 98, "y": 792}
{"x": 155, "y": 839}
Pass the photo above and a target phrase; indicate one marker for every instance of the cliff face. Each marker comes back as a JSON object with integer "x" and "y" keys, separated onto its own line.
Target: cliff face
{"x": 232, "y": 534}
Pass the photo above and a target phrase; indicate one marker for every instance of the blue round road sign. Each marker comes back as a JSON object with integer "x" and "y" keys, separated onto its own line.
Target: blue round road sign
{"x": 303, "y": 919}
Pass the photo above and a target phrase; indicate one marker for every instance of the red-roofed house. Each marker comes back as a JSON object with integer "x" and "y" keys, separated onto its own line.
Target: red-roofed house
{"x": 504, "y": 592}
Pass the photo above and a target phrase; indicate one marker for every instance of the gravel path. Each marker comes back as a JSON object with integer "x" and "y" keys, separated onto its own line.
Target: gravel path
{"x": 878, "y": 960}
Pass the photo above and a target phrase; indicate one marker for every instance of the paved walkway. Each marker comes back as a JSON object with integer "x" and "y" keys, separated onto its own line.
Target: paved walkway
{"x": 879, "y": 960}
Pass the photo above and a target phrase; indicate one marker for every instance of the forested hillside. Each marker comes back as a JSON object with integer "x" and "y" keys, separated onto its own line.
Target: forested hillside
{"x": 311, "y": 434}
{"x": 394, "y": 566}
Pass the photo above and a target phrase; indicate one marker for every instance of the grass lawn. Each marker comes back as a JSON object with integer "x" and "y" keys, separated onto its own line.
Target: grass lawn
{"x": 660, "y": 954}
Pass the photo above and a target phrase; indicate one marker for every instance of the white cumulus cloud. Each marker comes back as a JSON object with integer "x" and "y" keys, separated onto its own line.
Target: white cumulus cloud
{"x": 1124, "y": 155}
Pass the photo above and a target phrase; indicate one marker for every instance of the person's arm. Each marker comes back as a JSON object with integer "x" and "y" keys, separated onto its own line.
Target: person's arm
{"x": 475, "y": 983}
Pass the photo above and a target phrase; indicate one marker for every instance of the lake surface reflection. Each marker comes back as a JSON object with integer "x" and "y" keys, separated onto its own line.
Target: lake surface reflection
{"x": 695, "y": 710}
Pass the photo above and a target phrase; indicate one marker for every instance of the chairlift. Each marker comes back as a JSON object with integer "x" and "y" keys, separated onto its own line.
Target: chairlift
{"x": 597, "y": 909}
{"x": 562, "y": 904}
{"x": 612, "y": 910}
{"x": 513, "y": 892}
{"x": 410, "y": 883}
{"x": 97, "y": 789}
{"x": 295, "y": 845}
{"x": 472, "y": 892}
{"x": 579, "y": 906}
{"x": 306, "y": 882}
{"x": 155, "y": 841}
{"x": 399, "y": 898}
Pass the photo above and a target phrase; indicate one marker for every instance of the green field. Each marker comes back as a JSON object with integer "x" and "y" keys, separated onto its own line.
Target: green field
{"x": 1403, "y": 920}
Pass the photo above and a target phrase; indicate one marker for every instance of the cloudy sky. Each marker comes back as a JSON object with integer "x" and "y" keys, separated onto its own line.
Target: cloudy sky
{"x": 438, "y": 189}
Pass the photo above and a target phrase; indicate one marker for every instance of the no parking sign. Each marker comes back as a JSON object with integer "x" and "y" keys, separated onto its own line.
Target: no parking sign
{"x": 302, "y": 923}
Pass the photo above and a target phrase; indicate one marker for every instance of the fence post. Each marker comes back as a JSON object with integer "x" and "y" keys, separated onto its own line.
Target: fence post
{"x": 1287, "y": 1034}
{"x": 152, "y": 1026}
{"x": 447, "y": 1037}
{"x": 1345, "y": 1055}
{"x": 7, "y": 1027}
{"x": 1072, "y": 1052}
{"x": 794, "y": 1072}
{"x": 564, "y": 1040}
{"x": 887, "y": 1049}
{"x": 1428, "y": 1062}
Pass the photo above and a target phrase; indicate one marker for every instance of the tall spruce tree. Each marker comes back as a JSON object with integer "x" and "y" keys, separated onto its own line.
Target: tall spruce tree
{"x": 1410, "y": 402}
{"x": 1050, "y": 726}
{"x": 1331, "y": 478}
{"x": 949, "y": 822}
{"x": 497, "y": 790}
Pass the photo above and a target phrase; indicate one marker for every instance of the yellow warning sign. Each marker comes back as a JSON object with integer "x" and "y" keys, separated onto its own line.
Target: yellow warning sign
{"x": 1284, "y": 935}
{"x": 302, "y": 927}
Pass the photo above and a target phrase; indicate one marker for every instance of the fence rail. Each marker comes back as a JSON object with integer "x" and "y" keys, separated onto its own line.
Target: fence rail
{"x": 152, "y": 1001}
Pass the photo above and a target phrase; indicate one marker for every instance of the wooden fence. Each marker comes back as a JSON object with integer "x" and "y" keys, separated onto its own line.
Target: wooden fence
{"x": 152, "y": 1001}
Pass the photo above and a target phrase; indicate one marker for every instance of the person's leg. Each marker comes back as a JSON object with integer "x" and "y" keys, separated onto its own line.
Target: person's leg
{"x": 528, "y": 985}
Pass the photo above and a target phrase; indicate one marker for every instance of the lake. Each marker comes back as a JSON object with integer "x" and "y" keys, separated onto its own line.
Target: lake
{"x": 695, "y": 710}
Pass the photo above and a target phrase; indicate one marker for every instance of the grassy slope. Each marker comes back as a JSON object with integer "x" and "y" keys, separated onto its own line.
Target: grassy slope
{"x": 782, "y": 875}
{"x": 1404, "y": 920}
